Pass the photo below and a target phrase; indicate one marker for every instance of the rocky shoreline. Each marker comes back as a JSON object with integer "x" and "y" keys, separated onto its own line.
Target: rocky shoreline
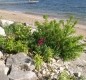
{"x": 21, "y": 67}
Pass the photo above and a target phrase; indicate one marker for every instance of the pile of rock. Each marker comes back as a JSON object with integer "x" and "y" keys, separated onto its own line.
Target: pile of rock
{"x": 17, "y": 67}
{"x": 21, "y": 67}
{"x": 75, "y": 68}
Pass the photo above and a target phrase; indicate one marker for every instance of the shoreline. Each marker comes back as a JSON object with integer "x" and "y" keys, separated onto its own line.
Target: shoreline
{"x": 31, "y": 18}
{"x": 19, "y": 16}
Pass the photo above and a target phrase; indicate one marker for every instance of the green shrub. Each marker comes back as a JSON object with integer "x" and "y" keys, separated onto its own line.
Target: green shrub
{"x": 20, "y": 47}
{"x": 48, "y": 54}
{"x": 9, "y": 45}
{"x": 17, "y": 38}
{"x": 18, "y": 31}
{"x": 59, "y": 36}
{"x": 38, "y": 61}
{"x": 2, "y": 41}
{"x": 45, "y": 52}
{"x": 65, "y": 76}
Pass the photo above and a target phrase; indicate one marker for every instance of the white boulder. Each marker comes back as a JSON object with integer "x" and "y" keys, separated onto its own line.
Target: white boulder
{"x": 6, "y": 22}
{"x": 2, "y": 32}
{"x": 3, "y": 76}
{"x": 6, "y": 70}
{"x": 1, "y": 55}
{"x": 2, "y": 65}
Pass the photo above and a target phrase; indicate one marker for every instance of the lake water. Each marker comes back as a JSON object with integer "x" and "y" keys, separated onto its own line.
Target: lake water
{"x": 56, "y": 8}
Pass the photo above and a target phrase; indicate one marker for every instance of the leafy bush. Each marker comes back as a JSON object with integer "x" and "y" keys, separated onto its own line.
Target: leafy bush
{"x": 9, "y": 45}
{"x": 60, "y": 37}
{"x": 38, "y": 61}
{"x": 20, "y": 47}
{"x": 18, "y": 31}
{"x": 48, "y": 54}
{"x": 17, "y": 38}
{"x": 2, "y": 40}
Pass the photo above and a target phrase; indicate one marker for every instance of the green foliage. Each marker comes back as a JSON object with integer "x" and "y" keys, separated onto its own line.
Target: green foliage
{"x": 18, "y": 31}
{"x": 17, "y": 39}
{"x": 38, "y": 61}
{"x": 50, "y": 39}
{"x": 59, "y": 36}
{"x": 48, "y": 54}
{"x": 9, "y": 45}
{"x": 2, "y": 40}
{"x": 65, "y": 76}
{"x": 45, "y": 52}
{"x": 20, "y": 47}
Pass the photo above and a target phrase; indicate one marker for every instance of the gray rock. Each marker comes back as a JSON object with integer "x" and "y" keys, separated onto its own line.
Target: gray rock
{"x": 44, "y": 72}
{"x": 3, "y": 68}
{"x": 61, "y": 69}
{"x": 6, "y": 70}
{"x": 27, "y": 67}
{"x": 52, "y": 75}
{"x": 3, "y": 76}
{"x": 1, "y": 55}
{"x": 39, "y": 75}
{"x": 31, "y": 67}
{"x": 21, "y": 67}
{"x": 78, "y": 65}
{"x": 77, "y": 74}
{"x": 2, "y": 65}
{"x": 22, "y": 75}
{"x": 20, "y": 59}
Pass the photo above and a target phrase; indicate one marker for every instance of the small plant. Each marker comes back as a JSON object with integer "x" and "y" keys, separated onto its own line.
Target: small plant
{"x": 48, "y": 54}
{"x": 38, "y": 61}
{"x": 20, "y": 47}
{"x": 65, "y": 76}
{"x": 18, "y": 30}
{"x": 2, "y": 41}
{"x": 9, "y": 45}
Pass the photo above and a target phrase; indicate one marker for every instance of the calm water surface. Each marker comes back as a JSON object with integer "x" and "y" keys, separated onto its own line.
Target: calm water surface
{"x": 56, "y": 8}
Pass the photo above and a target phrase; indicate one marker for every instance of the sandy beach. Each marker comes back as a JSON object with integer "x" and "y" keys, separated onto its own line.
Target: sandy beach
{"x": 30, "y": 19}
